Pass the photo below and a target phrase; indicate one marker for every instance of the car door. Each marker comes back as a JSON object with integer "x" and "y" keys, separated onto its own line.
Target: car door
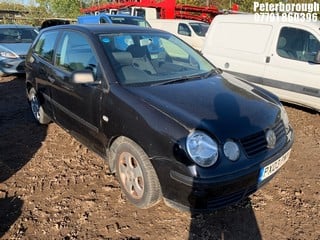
{"x": 187, "y": 34}
{"x": 77, "y": 106}
{"x": 40, "y": 61}
{"x": 291, "y": 72}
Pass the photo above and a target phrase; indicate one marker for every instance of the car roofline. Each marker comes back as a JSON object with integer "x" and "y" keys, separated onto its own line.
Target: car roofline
{"x": 105, "y": 28}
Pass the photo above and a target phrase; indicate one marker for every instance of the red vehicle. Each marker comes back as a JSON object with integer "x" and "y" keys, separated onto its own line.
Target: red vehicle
{"x": 167, "y": 9}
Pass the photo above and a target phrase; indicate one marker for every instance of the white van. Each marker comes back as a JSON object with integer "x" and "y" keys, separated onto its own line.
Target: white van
{"x": 282, "y": 57}
{"x": 191, "y": 31}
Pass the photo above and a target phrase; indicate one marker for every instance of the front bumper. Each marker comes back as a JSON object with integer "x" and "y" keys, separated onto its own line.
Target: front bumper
{"x": 201, "y": 194}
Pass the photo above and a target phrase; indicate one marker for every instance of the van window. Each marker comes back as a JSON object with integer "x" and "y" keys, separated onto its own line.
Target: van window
{"x": 297, "y": 44}
{"x": 183, "y": 29}
{"x": 200, "y": 28}
{"x": 103, "y": 20}
{"x": 140, "y": 12}
{"x": 240, "y": 37}
{"x": 45, "y": 45}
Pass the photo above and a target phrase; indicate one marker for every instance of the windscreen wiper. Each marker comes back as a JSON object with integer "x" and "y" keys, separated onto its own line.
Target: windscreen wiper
{"x": 181, "y": 79}
{"x": 212, "y": 72}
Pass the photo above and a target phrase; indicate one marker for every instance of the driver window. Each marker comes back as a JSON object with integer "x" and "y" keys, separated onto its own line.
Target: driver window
{"x": 74, "y": 53}
{"x": 183, "y": 29}
{"x": 297, "y": 44}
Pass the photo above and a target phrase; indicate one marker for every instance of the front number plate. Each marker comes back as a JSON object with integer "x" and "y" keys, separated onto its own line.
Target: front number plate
{"x": 270, "y": 169}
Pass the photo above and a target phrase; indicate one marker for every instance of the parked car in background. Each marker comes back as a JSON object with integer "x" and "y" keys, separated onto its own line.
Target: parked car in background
{"x": 113, "y": 19}
{"x": 283, "y": 57}
{"x": 191, "y": 31}
{"x": 54, "y": 22}
{"x": 165, "y": 120}
{"x": 15, "y": 41}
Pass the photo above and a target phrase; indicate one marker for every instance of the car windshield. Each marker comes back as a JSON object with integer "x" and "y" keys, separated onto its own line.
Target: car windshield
{"x": 149, "y": 59}
{"x": 200, "y": 28}
{"x": 130, "y": 20}
{"x": 17, "y": 35}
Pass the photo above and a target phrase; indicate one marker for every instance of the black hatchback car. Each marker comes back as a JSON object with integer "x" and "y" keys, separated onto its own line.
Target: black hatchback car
{"x": 168, "y": 123}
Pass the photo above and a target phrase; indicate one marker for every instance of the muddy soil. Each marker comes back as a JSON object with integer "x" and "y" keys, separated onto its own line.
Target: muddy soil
{"x": 52, "y": 187}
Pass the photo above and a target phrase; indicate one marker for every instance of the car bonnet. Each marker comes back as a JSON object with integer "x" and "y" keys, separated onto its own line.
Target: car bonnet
{"x": 225, "y": 107}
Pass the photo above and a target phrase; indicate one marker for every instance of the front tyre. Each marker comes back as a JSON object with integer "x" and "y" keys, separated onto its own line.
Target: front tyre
{"x": 137, "y": 177}
{"x": 36, "y": 108}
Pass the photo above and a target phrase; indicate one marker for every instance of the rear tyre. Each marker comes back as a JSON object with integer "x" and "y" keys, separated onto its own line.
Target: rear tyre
{"x": 137, "y": 177}
{"x": 36, "y": 108}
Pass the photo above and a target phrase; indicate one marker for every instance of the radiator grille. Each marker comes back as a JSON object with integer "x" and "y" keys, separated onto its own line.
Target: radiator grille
{"x": 257, "y": 143}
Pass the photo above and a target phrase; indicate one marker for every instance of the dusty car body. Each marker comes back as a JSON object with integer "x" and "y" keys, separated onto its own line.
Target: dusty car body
{"x": 165, "y": 120}
{"x": 15, "y": 41}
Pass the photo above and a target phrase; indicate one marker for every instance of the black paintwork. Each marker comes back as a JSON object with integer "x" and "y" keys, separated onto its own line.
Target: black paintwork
{"x": 160, "y": 117}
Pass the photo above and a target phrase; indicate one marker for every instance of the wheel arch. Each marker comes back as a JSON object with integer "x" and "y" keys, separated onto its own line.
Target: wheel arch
{"x": 150, "y": 185}
{"x": 110, "y": 149}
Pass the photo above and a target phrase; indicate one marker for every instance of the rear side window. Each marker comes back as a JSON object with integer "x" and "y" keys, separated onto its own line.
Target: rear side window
{"x": 44, "y": 47}
{"x": 297, "y": 44}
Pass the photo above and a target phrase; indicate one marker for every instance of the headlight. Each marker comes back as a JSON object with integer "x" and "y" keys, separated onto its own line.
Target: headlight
{"x": 231, "y": 150}
{"x": 8, "y": 55}
{"x": 202, "y": 149}
{"x": 4, "y": 52}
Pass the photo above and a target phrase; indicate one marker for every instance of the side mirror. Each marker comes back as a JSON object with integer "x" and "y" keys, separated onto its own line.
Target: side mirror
{"x": 82, "y": 77}
{"x": 317, "y": 58}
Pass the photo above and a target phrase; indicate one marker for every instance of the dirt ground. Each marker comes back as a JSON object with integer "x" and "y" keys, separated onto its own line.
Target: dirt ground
{"x": 52, "y": 187}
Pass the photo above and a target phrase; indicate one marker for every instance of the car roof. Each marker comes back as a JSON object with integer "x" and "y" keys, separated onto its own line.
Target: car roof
{"x": 105, "y": 28}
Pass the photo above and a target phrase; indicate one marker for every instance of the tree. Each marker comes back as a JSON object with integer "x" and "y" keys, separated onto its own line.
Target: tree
{"x": 62, "y": 8}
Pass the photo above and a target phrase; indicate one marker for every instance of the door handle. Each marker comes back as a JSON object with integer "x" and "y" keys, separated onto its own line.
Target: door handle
{"x": 268, "y": 59}
{"x": 51, "y": 79}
